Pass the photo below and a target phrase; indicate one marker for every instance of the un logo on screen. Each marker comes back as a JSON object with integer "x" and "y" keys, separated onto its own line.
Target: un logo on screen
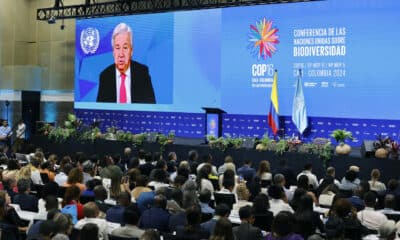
{"x": 90, "y": 40}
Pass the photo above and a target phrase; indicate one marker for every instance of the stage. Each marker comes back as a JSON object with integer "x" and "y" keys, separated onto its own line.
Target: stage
{"x": 389, "y": 168}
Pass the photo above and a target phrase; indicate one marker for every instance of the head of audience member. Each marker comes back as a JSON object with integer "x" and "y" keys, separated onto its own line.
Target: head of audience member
{"x": 127, "y": 151}
{"x": 150, "y": 234}
{"x": 92, "y": 183}
{"x": 160, "y": 176}
{"x": 375, "y": 174}
{"x": 141, "y": 154}
{"x": 64, "y": 223}
{"x": 282, "y": 225}
{"x": 334, "y": 228}
{"x": 160, "y": 201}
{"x": 183, "y": 170}
{"x": 47, "y": 230}
{"x": 228, "y": 159}
{"x": 205, "y": 196}
{"x": 307, "y": 167}
{"x": 172, "y": 156}
{"x": 12, "y": 165}
{"x": 100, "y": 193}
{"x": 148, "y": 158}
{"x": 276, "y": 192}
{"x": 80, "y": 157}
{"x": 207, "y": 158}
{"x": 342, "y": 208}
{"x": 67, "y": 168}
{"x": 228, "y": 184}
{"x": 75, "y": 176}
{"x": 88, "y": 167}
{"x": 261, "y": 203}
{"x": 390, "y": 201}
{"x": 231, "y": 167}
{"x": 242, "y": 192}
{"x": 279, "y": 180}
{"x": 89, "y": 231}
{"x": 229, "y": 174}
{"x": 298, "y": 193}
{"x": 47, "y": 166}
{"x": 124, "y": 199}
{"x": 222, "y": 210}
{"x": 161, "y": 164}
{"x": 330, "y": 171}
{"x": 246, "y": 214}
{"x": 179, "y": 181}
{"x": 223, "y": 230}
{"x": 141, "y": 181}
{"x": 393, "y": 184}
{"x": 263, "y": 167}
{"x": 387, "y": 230}
{"x": 39, "y": 155}
{"x": 204, "y": 172}
{"x": 354, "y": 168}
{"x": 247, "y": 162}
{"x": 193, "y": 217}
{"x": 90, "y": 210}
{"x": 177, "y": 196}
{"x": 302, "y": 182}
{"x": 351, "y": 176}
{"x": 72, "y": 193}
{"x": 193, "y": 155}
{"x": 51, "y": 203}
{"x": 24, "y": 186}
{"x": 130, "y": 216}
{"x": 370, "y": 199}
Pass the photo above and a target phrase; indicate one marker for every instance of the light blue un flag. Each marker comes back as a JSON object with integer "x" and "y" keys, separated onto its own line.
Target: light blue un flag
{"x": 299, "y": 112}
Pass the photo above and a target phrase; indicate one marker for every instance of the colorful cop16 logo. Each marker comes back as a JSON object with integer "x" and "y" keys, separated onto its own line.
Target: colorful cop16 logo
{"x": 263, "y": 39}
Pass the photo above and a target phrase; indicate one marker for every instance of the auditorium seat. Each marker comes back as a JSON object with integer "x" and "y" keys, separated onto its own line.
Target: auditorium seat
{"x": 228, "y": 199}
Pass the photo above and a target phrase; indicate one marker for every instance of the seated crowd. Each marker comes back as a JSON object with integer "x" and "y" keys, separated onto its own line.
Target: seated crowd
{"x": 145, "y": 196}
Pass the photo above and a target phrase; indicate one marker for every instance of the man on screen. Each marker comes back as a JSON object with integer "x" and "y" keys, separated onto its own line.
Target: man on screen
{"x": 125, "y": 81}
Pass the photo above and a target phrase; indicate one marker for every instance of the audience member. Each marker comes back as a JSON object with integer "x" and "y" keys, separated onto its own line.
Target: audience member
{"x": 150, "y": 234}
{"x": 288, "y": 172}
{"x": 262, "y": 215}
{"x": 306, "y": 220}
{"x": 91, "y": 213}
{"x": 222, "y": 168}
{"x": 193, "y": 157}
{"x": 62, "y": 176}
{"x": 368, "y": 217}
{"x": 221, "y": 211}
{"x": 243, "y": 195}
{"x": 246, "y": 171}
{"x": 278, "y": 198}
{"x": 64, "y": 226}
{"x": 205, "y": 198}
{"x": 26, "y": 201}
{"x": 130, "y": 229}
{"x": 100, "y": 195}
{"x": 264, "y": 171}
{"x": 222, "y": 230}
{"x": 147, "y": 166}
{"x": 115, "y": 213}
{"x": 207, "y": 159}
{"x": 71, "y": 203}
{"x": 374, "y": 183}
{"x": 350, "y": 180}
{"x": 282, "y": 227}
{"x": 312, "y": 179}
{"x": 156, "y": 217}
{"x": 141, "y": 186}
{"x": 89, "y": 170}
{"x": 90, "y": 231}
{"x": 279, "y": 180}
{"x": 75, "y": 178}
{"x": 193, "y": 229}
{"x": 246, "y": 230}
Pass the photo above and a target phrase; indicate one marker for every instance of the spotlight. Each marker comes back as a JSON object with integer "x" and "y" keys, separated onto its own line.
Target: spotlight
{"x": 51, "y": 20}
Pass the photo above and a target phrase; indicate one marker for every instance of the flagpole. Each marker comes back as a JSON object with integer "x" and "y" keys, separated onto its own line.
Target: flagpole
{"x": 300, "y": 134}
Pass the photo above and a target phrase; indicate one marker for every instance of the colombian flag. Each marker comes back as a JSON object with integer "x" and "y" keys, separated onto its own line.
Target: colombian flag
{"x": 273, "y": 115}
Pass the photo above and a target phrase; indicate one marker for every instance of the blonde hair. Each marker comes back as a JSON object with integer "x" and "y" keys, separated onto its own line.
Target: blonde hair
{"x": 242, "y": 192}
{"x": 24, "y": 172}
{"x": 230, "y": 166}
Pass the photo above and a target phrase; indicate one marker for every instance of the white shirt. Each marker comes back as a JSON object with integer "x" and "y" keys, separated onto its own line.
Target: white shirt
{"x": 206, "y": 184}
{"x": 61, "y": 178}
{"x": 127, "y": 84}
{"x": 35, "y": 177}
{"x": 377, "y": 186}
{"x": 312, "y": 179}
{"x": 101, "y": 223}
{"x": 157, "y": 185}
{"x": 277, "y": 205}
{"x": 371, "y": 219}
{"x": 213, "y": 169}
{"x": 21, "y": 130}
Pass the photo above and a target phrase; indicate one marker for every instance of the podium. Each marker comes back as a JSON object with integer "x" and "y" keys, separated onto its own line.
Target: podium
{"x": 213, "y": 125}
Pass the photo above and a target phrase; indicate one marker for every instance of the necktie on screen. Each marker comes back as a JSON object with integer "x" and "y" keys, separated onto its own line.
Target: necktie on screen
{"x": 122, "y": 89}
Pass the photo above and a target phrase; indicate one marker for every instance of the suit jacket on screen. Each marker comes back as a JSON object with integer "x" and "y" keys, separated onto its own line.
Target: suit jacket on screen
{"x": 141, "y": 86}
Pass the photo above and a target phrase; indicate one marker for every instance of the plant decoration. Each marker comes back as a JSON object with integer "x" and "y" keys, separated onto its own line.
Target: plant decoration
{"x": 293, "y": 145}
{"x": 264, "y": 144}
{"x": 340, "y": 135}
{"x": 111, "y": 133}
{"x": 91, "y": 134}
{"x": 281, "y": 146}
{"x": 45, "y": 129}
{"x": 163, "y": 140}
{"x": 124, "y": 136}
{"x": 139, "y": 139}
{"x": 322, "y": 147}
{"x": 70, "y": 129}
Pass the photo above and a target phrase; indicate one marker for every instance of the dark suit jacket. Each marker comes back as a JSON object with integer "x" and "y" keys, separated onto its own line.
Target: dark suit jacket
{"x": 26, "y": 202}
{"x": 246, "y": 231}
{"x": 141, "y": 86}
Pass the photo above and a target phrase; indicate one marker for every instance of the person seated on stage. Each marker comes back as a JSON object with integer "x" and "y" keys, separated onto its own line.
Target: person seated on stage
{"x": 374, "y": 183}
{"x": 278, "y": 200}
{"x": 91, "y": 213}
{"x": 148, "y": 166}
{"x": 246, "y": 171}
{"x": 130, "y": 230}
{"x": 157, "y": 217}
{"x": 26, "y": 202}
{"x": 368, "y": 217}
{"x": 350, "y": 180}
{"x": 221, "y": 211}
{"x": 193, "y": 229}
{"x": 312, "y": 179}
{"x": 222, "y": 168}
{"x": 75, "y": 178}
{"x": 246, "y": 230}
